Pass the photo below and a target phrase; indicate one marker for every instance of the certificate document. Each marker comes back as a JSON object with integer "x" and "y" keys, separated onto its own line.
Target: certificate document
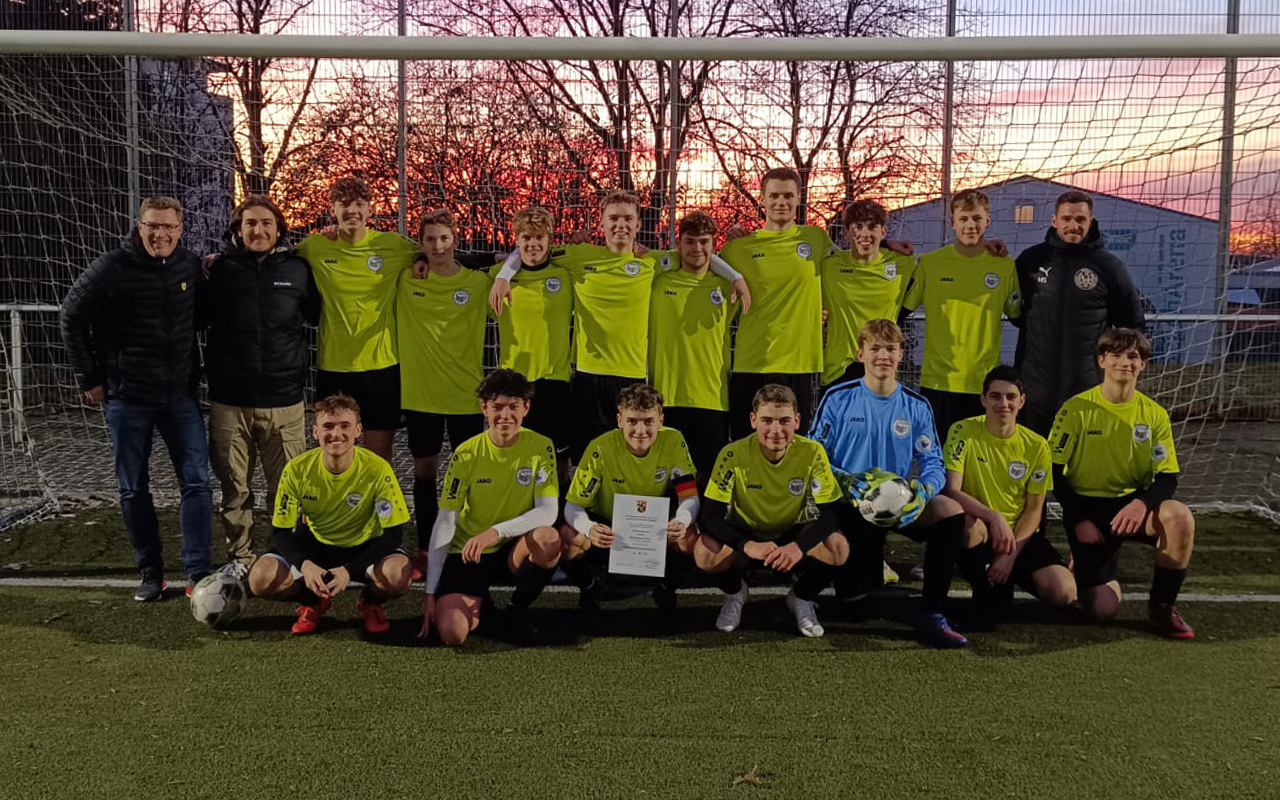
{"x": 639, "y": 535}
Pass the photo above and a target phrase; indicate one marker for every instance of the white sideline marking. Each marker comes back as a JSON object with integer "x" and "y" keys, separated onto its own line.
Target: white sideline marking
{"x": 762, "y": 591}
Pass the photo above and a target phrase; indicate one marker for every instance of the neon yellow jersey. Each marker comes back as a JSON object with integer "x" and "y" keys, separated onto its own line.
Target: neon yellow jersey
{"x": 783, "y": 330}
{"x": 963, "y": 298}
{"x": 609, "y": 469}
{"x": 533, "y": 332}
{"x": 610, "y": 307}
{"x": 999, "y": 473}
{"x": 357, "y": 283}
{"x": 853, "y": 293}
{"x": 1111, "y": 449}
{"x": 770, "y": 498}
{"x": 441, "y": 323}
{"x": 487, "y": 484}
{"x": 342, "y": 510}
{"x": 689, "y": 318}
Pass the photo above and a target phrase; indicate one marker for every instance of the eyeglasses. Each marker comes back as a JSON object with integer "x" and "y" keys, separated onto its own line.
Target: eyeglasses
{"x": 167, "y": 227}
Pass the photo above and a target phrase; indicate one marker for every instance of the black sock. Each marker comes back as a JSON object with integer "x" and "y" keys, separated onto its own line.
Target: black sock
{"x": 529, "y": 584}
{"x": 940, "y": 553}
{"x": 973, "y": 567}
{"x": 729, "y": 581}
{"x": 579, "y": 571}
{"x": 425, "y": 506}
{"x": 679, "y": 567}
{"x": 812, "y": 577}
{"x": 1166, "y": 584}
{"x": 305, "y": 596}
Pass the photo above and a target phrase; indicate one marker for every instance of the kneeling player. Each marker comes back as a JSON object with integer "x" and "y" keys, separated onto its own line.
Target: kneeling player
{"x": 999, "y": 472}
{"x": 1115, "y": 473}
{"x": 354, "y": 517}
{"x": 757, "y": 510}
{"x": 638, "y": 457}
{"x": 496, "y": 518}
{"x": 872, "y": 423}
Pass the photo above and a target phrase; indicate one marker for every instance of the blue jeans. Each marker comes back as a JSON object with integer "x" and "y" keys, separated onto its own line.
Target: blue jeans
{"x": 179, "y": 424}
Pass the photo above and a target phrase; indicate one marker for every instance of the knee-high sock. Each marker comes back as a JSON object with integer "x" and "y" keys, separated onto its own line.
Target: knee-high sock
{"x": 813, "y": 576}
{"x": 425, "y": 507}
{"x": 729, "y": 581}
{"x": 973, "y": 566}
{"x": 1166, "y": 583}
{"x": 939, "y": 562}
{"x": 580, "y": 571}
{"x": 679, "y": 567}
{"x": 529, "y": 584}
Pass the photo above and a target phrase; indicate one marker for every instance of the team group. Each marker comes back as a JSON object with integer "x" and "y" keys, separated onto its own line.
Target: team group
{"x": 619, "y": 360}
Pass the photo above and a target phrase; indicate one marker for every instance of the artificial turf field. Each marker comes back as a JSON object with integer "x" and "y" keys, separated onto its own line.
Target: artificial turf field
{"x": 105, "y": 698}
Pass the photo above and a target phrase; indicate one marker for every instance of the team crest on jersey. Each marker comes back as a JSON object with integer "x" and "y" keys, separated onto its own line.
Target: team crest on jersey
{"x": 924, "y": 443}
{"x": 804, "y": 249}
{"x": 1158, "y": 452}
{"x": 890, "y": 271}
{"x": 665, "y": 262}
{"x": 1085, "y": 279}
{"x": 374, "y": 263}
{"x": 796, "y": 486}
{"x": 461, "y": 297}
{"x": 632, "y": 268}
{"x": 384, "y": 508}
{"x": 717, "y": 297}
{"x": 524, "y": 476}
{"x": 1141, "y": 432}
{"x": 553, "y": 284}
{"x": 815, "y": 485}
{"x": 991, "y": 280}
{"x": 1017, "y": 470}
{"x": 541, "y": 478}
{"x": 1038, "y": 476}
{"x": 354, "y": 499}
{"x": 659, "y": 474}
{"x": 901, "y": 427}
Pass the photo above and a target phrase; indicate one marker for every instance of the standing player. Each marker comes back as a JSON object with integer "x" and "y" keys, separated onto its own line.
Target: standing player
{"x": 999, "y": 473}
{"x": 639, "y": 457}
{"x": 339, "y": 516}
{"x": 1073, "y": 290}
{"x": 782, "y": 341}
{"x": 689, "y": 318}
{"x": 964, "y": 290}
{"x": 357, "y": 273}
{"x": 440, "y": 322}
{"x": 875, "y": 423}
{"x": 1115, "y": 473}
{"x": 758, "y": 510}
{"x": 863, "y": 283}
{"x": 496, "y": 518}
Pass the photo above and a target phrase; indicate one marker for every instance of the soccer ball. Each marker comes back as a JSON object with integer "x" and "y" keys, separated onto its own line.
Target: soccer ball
{"x": 883, "y": 503}
{"x": 219, "y": 598}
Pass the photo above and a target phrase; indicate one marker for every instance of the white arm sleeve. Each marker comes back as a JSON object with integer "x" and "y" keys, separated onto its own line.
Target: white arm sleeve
{"x": 542, "y": 514}
{"x": 511, "y": 266}
{"x": 721, "y": 267}
{"x": 441, "y": 534}
{"x": 578, "y": 518}
{"x": 688, "y": 510}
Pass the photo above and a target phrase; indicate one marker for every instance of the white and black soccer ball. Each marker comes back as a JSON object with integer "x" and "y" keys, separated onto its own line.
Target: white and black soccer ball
{"x": 883, "y": 502}
{"x": 219, "y": 598}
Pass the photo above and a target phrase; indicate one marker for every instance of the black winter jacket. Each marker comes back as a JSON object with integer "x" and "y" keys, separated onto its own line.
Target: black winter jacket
{"x": 129, "y": 324}
{"x": 1071, "y": 293}
{"x": 258, "y": 351}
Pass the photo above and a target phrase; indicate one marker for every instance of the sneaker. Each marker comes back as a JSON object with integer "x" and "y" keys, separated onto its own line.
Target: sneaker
{"x": 731, "y": 612}
{"x": 1166, "y": 620}
{"x": 375, "y": 615}
{"x": 933, "y": 630}
{"x": 309, "y": 617}
{"x": 151, "y": 589}
{"x": 890, "y": 574}
{"x": 917, "y": 572}
{"x": 238, "y": 569}
{"x": 806, "y": 612}
{"x": 520, "y": 631}
{"x": 193, "y": 580}
{"x": 418, "y": 566}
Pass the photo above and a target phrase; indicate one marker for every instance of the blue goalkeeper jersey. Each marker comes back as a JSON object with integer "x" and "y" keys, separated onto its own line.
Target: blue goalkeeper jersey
{"x": 861, "y": 430}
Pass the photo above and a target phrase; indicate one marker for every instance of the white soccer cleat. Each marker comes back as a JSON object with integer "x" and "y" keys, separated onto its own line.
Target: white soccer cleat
{"x": 731, "y": 612}
{"x": 806, "y": 613}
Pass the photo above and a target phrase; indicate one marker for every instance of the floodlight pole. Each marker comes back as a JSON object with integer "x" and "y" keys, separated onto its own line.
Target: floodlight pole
{"x": 948, "y": 126}
{"x": 402, "y": 130}
{"x": 1223, "y": 328}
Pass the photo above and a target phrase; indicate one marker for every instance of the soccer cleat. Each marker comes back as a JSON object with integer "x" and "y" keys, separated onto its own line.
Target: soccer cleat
{"x": 917, "y": 572}
{"x": 890, "y": 574}
{"x": 375, "y": 615}
{"x": 418, "y": 566}
{"x": 806, "y": 612}
{"x": 309, "y": 617}
{"x": 151, "y": 588}
{"x": 730, "y": 616}
{"x": 1166, "y": 620}
{"x": 933, "y": 630}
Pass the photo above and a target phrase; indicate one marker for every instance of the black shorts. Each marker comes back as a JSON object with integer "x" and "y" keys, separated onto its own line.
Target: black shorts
{"x": 705, "y": 431}
{"x": 593, "y": 403}
{"x": 376, "y": 390}
{"x": 474, "y": 580}
{"x": 328, "y": 556}
{"x": 1095, "y": 564}
{"x": 426, "y": 431}
{"x": 549, "y": 412}
{"x": 854, "y": 371}
{"x": 744, "y": 385}
{"x": 951, "y": 407}
{"x": 865, "y": 567}
{"x": 1036, "y": 554}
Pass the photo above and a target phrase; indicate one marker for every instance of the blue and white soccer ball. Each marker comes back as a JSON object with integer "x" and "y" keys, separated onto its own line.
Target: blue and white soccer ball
{"x": 219, "y": 598}
{"x": 884, "y": 501}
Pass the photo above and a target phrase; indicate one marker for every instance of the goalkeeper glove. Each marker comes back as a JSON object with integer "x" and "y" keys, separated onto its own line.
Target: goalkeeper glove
{"x": 921, "y": 494}
{"x": 855, "y": 484}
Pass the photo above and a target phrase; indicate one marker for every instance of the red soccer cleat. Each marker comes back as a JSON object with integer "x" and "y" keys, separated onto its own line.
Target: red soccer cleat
{"x": 309, "y": 617}
{"x": 375, "y": 616}
{"x": 1167, "y": 622}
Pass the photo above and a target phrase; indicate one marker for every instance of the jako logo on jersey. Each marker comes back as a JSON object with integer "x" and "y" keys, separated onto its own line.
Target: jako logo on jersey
{"x": 1158, "y": 452}
{"x": 890, "y": 271}
{"x": 991, "y": 280}
{"x": 1141, "y": 433}
{"x": 354, "y": 499}
{"x": 374, "y": 263}
{"x": 632, "y": 268}
{"x": 282, "y": 284}
{"x": 524, "y": 476}
{"x": 1085, "y": 279}
{"x": 924, "y": 443}
{"x": 1017, "y": 470}
{"x": 461, "y": 297}
{"x": 901, "y": 427}
{"x": 1038, "y": 476}
{"x": 717, "y": 297}
{"x": 659, "y": 474}
{"x": 553, "y": 284}
{"x": 796, "y": 486}
{"x": 541, "y": 478}
{"x": 804, "y": 249}
{"x": 384, "y": 508}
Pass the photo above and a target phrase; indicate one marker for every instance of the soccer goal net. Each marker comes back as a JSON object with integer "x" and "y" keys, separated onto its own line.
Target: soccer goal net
{"x": 1170, "y": 122}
